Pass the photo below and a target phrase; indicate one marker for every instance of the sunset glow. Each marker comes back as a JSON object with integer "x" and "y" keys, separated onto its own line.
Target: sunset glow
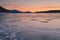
{"x": 31, "y": 5}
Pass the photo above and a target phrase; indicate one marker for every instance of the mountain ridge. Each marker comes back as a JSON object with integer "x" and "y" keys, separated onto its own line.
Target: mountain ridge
{"x": 3, "y": 10}
{"x": 49, "y": 11}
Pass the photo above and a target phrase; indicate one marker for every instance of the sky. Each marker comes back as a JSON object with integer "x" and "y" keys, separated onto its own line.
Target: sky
{"x": 31, "y": 5}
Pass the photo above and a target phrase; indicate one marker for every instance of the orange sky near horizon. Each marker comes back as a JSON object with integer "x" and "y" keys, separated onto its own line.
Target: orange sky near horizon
{"x": 30, "y": 8}
{"x": 31, "y": 5}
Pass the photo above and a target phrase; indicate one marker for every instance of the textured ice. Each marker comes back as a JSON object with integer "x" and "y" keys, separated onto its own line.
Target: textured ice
{"x": 29, "y": 26}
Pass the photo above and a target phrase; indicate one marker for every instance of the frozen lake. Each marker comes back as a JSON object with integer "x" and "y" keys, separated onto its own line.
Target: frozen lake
{"x": 30, "y": 26}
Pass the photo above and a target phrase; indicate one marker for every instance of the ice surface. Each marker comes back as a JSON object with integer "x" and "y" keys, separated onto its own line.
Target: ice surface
{"x": 29, "y": 26}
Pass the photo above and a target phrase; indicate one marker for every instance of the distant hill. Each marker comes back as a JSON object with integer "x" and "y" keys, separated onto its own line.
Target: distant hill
{"x": 27, "y": 12}
{"x": 49, "y": 11}
{"x": 3, "y": 10}
{"x": 14, "y": 11}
